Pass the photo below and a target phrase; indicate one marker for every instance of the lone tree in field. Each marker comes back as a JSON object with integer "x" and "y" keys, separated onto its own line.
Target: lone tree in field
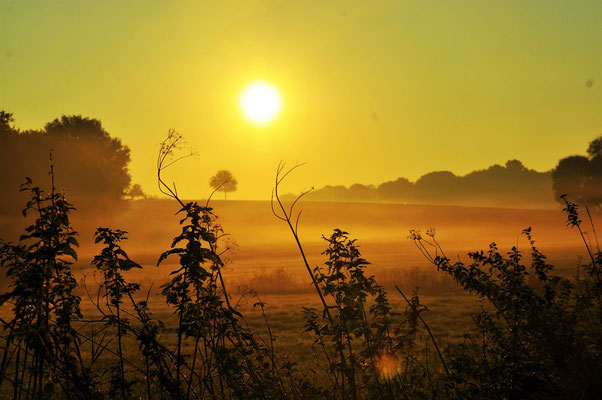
{"x": 223, "y": 181}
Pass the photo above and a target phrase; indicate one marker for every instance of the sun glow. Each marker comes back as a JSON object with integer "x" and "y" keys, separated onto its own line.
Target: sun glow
{"x": 260, "y": 102}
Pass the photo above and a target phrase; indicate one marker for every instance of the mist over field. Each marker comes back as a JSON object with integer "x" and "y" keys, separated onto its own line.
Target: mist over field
{"x": 148, "y": 272}
{"x": 382, "y": 230}
{"x": 268, "y": 200}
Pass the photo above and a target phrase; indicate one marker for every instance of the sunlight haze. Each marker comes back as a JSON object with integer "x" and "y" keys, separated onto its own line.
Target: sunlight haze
{"x": 309, "y": 200}
{"x": 371, "y": 93}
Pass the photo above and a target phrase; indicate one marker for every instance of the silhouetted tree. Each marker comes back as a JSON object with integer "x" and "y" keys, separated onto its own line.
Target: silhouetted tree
{"x": 397, "y": 190}
{"x": 359, "y": 192}
{"x": 580, "y": 177}
{"x": 135, "y": 192}
{"x": 595, "y": 148}
{"x": 436, "y": 185}
{"x": 6, "y": 119}
{"x": 327, "y": 193}
{"x": 512, "y": 184}
{"x": 92, "y": 166}
{"x": 223, "y": 181}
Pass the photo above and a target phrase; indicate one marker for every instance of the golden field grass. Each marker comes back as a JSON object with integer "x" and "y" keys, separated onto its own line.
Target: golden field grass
{"x": 265, "y": 257}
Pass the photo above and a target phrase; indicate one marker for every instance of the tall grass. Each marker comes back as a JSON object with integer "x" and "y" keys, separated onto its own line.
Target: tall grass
{"x": 537, "y": 334}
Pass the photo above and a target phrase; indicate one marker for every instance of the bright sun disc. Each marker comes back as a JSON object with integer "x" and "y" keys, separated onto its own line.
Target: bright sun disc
{"x": 260, "y": 102}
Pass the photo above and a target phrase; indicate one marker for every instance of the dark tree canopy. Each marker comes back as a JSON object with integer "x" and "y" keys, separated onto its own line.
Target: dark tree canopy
{"x": 6, "y": 119}
{"x": 437, "y": 184}
{"x": 398, "y": 190}
{"x": 580, "y": 177}
{"x": 90, "y": 166}
{"x": 223, "y": 181}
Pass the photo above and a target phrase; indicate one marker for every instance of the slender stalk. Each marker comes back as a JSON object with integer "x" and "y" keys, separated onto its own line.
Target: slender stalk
{"x": 428, "y": 329}
{"x": 120, "y": 349}
{"x": 287, "y": 217}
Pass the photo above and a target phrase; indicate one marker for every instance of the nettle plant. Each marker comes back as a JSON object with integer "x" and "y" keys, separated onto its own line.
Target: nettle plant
{"x": 119, "y": 299}
{"x": 42, "y": 355}
{"x": 112, "y": 261}
{"x": 371, "y": 350}
{"x": 540, "y": 334}
{"x": 368, "y": 347}
{"x": 359, "y": 341}
{"x": 234, "y": 364}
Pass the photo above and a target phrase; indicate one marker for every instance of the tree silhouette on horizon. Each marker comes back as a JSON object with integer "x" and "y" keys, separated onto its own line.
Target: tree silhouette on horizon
{"x": 92, "y": 165}
{"x": 223, "y": 181}
{"x": 580, "y": 177}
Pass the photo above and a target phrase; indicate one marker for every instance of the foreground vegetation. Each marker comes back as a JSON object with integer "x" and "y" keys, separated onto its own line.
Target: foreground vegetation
{"x": 537, "y": 334}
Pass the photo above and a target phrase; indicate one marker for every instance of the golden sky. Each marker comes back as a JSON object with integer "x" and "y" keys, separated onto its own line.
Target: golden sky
{"x": 371, "y": 90}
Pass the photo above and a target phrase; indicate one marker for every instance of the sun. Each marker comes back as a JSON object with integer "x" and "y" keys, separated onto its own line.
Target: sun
{"x": 260, "y": 102}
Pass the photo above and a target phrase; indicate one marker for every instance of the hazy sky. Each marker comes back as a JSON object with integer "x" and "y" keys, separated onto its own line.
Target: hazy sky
{"x": 372, "y": 90}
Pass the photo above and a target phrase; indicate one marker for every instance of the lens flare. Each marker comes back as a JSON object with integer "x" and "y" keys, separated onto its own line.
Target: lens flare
{"x": 388, "y": 365}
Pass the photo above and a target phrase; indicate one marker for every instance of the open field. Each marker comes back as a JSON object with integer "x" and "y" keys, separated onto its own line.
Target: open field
{"x": 264, "y": 247}
{"x": 265, "y": 265}
{"x": 264, "y": 243}
{"x": 266, "y": 258}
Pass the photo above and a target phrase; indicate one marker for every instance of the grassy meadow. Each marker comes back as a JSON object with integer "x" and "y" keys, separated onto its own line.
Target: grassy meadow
{"x": 268, "y": 285}
{"x": 265, "y": 258}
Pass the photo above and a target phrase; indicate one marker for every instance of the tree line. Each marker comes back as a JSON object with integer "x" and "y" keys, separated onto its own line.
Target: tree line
{"x": 95, "y": 168}
{"x": 508, "y": 185}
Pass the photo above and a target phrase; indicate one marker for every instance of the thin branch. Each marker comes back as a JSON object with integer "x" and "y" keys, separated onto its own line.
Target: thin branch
{"x": 287, "y": 218}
